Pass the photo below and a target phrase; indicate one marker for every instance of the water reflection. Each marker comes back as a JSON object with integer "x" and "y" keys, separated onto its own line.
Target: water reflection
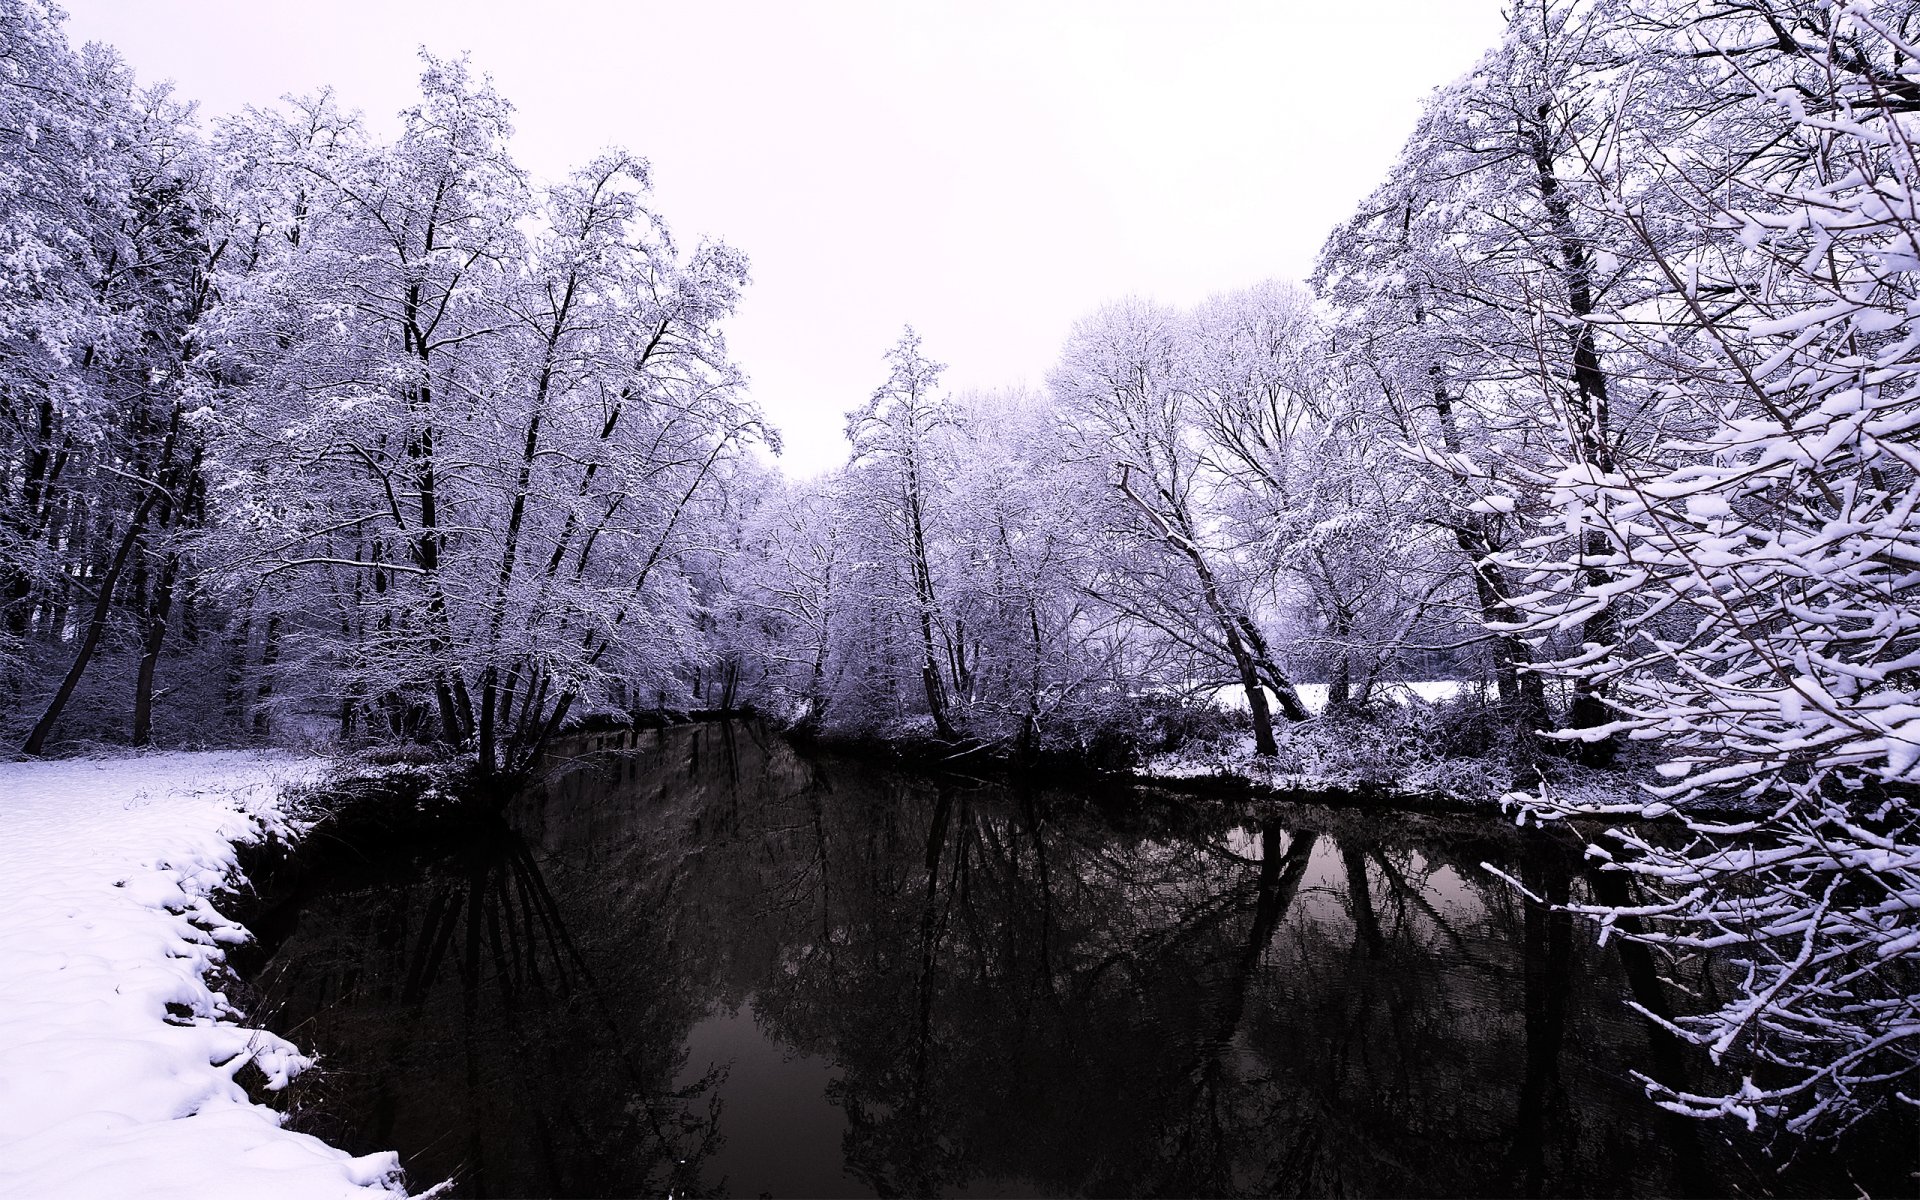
{"x": 698, "y": 962}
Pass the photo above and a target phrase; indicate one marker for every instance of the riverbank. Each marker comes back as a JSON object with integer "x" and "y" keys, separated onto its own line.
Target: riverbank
{"x": 1429, "y": 749}
{"x": 1358, "y": 763}
{"x": 1396, "y": 763}
{"x": 124, "y": 1070}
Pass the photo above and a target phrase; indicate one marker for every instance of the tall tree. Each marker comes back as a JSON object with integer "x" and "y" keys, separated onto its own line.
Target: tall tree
{"x": 893, "y": 436}
{"x": 483, "y": 430}
{"x": 101, "y": 367}
{"x": 1119, "y": 379}
{"x": 1472, "y": 287}
{"x": 1769, "y": 641}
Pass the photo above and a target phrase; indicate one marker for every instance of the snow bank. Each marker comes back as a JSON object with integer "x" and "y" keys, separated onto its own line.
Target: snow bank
{"x": 117, "y": 1060}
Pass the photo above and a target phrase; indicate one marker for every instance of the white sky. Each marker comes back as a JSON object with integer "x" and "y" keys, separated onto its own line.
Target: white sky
{"x": 987, "y": 171}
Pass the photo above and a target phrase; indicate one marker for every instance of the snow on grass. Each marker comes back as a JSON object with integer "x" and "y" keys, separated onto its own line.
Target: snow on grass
{"x": 1401, "y": 750}
{"x": 117, "y": 1059}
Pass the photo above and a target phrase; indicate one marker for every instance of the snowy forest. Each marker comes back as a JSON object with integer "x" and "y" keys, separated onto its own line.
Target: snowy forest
{"x": 1603, "y": 408}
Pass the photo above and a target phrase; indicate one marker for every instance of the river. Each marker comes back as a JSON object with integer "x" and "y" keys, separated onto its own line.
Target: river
{"x": 699, "y": 961}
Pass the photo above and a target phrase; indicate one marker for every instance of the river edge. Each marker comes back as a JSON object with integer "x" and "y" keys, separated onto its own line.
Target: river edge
{"x": 1225, "y": 779}
{"x": 366, "y": 821}
{"x": 433, "y": 775}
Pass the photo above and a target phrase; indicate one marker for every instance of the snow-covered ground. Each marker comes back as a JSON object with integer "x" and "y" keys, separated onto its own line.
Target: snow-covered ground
{"x": 1396, "y": 756}
{"x": 1314, "y": 695}
{"x": 117, "y": 1059}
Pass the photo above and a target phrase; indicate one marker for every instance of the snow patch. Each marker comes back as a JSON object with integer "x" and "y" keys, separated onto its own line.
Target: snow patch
{"x": 1314, "y": 695}
{"x": 117, "y": 1059}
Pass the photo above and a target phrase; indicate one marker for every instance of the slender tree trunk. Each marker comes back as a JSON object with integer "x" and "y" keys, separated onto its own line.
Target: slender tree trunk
{"x": 549, "y": 727}
{"x": 449, "y": 690}
{"x": 1283, "y": 689}
{"x": 924, "y": 595}
{"x": 1030, "y": 720}
{"x": 1263, "y": 739}
{"x": 1523, "y": 695}
{"x": 530, "y": 709}
{"x": 1340, "y": 678}
{"x": 509, "y": 552}
{"x": 263, "y": 692}
{"x": 1248, "y": 649}
{"x": 159, "y": 608}
{"x": 16, "y": 598}
{"x": 236, "y": 692}
{"x": 816, "y": 701}
{"x": 488, "y": 763}
{"x": 96, "y": 627}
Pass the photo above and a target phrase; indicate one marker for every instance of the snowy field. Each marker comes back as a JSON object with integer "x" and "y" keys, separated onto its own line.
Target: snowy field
{"x": 1314, "y": 695}
{"x": 117, "y": 1059}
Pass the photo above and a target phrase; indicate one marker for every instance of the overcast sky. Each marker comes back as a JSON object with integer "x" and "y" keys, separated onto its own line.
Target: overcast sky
{"x": 988, "y": 172}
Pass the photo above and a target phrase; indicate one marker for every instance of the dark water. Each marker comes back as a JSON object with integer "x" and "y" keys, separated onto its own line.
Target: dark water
{"x": 711, "y": 965}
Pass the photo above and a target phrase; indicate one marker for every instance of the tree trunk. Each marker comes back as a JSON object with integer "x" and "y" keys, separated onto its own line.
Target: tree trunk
{"x": 1030, "y": 720}
{"x": 269, "y": 658}
{"x": 17, "y": 594}
{"x": 1523, "y": 698}
{"x": 97, "y": 626}
{"x": 816, "y": 700}
{"x": 159, "y": 608}
{"x": 1245, "y": 644}
{"x": 1263, "y": 740}
{"x": 236, "y": 691}
{"x": 924, "y": 595}
{"x": 1591, "y": 429}
{"x": 488, "y": 762}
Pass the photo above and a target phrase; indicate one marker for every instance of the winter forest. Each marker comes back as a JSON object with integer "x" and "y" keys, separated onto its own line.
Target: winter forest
{"x": 1578, "y": 484}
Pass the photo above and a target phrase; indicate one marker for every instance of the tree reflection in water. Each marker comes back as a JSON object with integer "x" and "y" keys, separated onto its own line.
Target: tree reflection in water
{"x": 462, "y": 1019}
{"x": 998, "y": 991}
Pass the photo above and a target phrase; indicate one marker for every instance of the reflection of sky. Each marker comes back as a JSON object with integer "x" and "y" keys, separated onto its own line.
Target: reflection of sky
{"x": 1453, "y": 896}
{"x": 782, "y": 1135}
{"x": 1244, "y": 840}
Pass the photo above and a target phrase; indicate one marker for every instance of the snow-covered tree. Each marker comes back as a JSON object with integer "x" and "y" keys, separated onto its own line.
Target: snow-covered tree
{"x": 1022, "y": 552}
{"x": 895, "y": 438}
{"x": 480, "y": 428}
{"x": 1123, "y": 390}
{"x": 1467, "y": 294}
{"x": 109, "y": 249}
{"x": 1310, "y": 500}
{"x": 1760, "y": 572}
